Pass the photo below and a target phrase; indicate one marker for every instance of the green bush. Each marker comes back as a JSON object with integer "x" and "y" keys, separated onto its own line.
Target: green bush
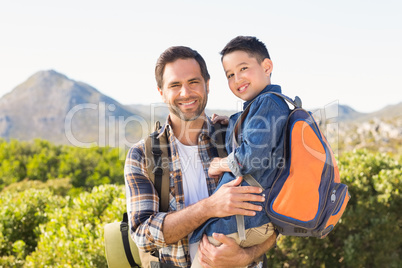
{"x": 20, "y": 215}
{"x": 50, "y": 223}
{"x": 74, "y": 235}
{"x": 369, "y": 233}
{"x": 41, "y": 160}
{"x": 56, "y": 186}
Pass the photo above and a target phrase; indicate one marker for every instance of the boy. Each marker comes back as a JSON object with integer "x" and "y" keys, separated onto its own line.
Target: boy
{"x": 248, "y": 68}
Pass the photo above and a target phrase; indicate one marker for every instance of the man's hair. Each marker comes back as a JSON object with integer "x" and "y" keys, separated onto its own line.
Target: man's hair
{"x": 249, "y": 44}
{"x": 174, "y": 53}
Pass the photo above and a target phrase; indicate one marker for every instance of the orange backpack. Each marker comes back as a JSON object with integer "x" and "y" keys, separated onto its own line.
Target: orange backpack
{"x": 306, "y": 197}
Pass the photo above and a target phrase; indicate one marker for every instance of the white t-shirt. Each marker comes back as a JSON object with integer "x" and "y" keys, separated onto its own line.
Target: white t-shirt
{"x": 194, "y": 180}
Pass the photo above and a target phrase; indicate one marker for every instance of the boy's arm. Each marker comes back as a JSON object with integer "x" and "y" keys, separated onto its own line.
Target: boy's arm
{"x": 229, "y": 254}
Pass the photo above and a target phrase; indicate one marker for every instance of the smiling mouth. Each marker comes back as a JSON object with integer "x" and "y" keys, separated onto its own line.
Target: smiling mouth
{"x": 242, "y": 88}
{"x": 187, "y": 103}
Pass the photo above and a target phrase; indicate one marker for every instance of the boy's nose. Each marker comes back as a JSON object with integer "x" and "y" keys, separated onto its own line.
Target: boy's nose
{"x": 237, "y": 78}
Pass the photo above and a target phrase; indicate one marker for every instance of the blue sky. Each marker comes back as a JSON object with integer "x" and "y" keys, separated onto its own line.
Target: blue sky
{"x": 323, "y": 51}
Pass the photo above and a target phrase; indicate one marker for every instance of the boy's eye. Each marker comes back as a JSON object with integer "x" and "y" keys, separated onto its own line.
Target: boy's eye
{"x": 243, "y": 68}
{"x": 230, "y": 76}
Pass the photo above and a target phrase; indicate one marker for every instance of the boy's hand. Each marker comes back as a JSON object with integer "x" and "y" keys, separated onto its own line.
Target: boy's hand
{"x": 223, "y": 119}
{"x": 215, "y": 168}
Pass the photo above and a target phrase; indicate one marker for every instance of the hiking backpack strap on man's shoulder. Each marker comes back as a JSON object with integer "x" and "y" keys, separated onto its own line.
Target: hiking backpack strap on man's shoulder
{"x": 219, "y": 138}
{"x": 157, "y": 159}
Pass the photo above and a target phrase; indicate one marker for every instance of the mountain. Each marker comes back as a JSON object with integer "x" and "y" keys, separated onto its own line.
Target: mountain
{"x": 380, "y": 130}
{"x": 49, "y": 105}
{"x": 390, "y": 111}
{"x": 347, "y": 113}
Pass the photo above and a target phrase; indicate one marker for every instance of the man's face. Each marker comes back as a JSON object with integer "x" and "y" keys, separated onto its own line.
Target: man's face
{"x": 184, "y": 89}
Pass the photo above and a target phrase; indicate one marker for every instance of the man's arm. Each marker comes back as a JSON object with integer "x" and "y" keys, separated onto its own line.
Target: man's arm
{"x": 229, "y": 254}
{"x": 142, "y": 202}
{"x": 227, "y": 201}
{"x": 154, "y": 229}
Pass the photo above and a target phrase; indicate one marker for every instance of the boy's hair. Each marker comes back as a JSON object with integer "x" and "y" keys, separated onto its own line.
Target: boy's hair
{"x": 174, "y": 53}
{"x": 249, "y": 44}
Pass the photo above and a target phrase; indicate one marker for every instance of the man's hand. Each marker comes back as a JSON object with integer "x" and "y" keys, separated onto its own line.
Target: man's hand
{"x": 229, "y": 254}
{"x": 231, "y": 200}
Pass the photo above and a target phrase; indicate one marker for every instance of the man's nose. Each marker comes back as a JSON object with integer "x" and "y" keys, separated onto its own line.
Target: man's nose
{"x": 185, "y": 91}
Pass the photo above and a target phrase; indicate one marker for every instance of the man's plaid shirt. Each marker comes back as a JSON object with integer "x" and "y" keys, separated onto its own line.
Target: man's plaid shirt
{"x": 143, "y": 201}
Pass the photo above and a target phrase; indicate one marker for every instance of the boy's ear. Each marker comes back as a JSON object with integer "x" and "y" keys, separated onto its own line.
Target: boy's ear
{"x": 268, "y": 66}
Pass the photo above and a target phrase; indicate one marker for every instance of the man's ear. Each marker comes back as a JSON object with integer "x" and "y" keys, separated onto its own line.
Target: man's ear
{"x": 161, "y": 92}
{"x": 207, "y": 84}
{"x": 268, "y": 66}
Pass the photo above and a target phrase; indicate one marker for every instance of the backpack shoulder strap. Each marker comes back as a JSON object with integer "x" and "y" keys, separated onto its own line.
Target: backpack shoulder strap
{"x": 126, "y": 244}
{"x": 297, "y": 103}
{"x": 157, "y": 157}
{"x": 219, "y": 134}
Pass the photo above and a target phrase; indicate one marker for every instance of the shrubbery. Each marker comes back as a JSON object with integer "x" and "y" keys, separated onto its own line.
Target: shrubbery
{"x": 21, "y": 213}
{"x": 39, "y": 229}
{"x": 42, "y": 160}
{"x": 50, "y": 222}
{"x": 369, "y": 233}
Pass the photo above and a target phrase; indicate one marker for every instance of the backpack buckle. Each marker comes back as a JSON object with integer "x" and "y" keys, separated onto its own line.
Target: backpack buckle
{"x": 156, "y": 151}
{"x": 124, "y": 228}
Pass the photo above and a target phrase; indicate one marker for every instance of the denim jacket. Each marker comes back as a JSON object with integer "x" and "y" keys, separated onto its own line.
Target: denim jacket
{"x": 259, "y": 154}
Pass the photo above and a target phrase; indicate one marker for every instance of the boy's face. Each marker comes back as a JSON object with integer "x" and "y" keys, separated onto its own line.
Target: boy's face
{"x": 184, "y": 89}
{"x": 246, "y": 77}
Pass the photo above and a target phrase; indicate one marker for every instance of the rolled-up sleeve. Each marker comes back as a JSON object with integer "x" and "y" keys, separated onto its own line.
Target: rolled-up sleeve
{"x": 142, "y": 202}
{"x": 233, "y": 165}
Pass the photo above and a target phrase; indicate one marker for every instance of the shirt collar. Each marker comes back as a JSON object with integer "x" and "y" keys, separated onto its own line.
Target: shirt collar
{"x": 206, "y": 131}
{"x": 272, "y": 88}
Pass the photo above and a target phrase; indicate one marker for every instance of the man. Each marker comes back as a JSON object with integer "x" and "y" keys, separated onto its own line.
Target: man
{"x": 183, "y": 82}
